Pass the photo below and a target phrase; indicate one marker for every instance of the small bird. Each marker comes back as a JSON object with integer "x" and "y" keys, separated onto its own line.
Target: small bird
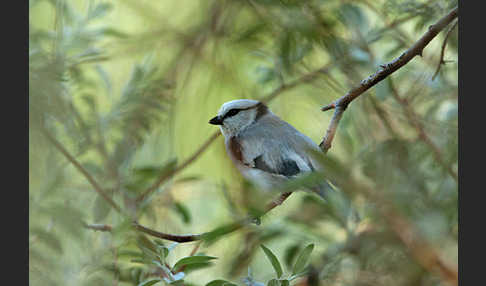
{"x": 266, "y": 150}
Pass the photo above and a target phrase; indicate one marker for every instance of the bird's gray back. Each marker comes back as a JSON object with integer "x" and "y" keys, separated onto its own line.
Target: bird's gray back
{"x": 277, "y": 140}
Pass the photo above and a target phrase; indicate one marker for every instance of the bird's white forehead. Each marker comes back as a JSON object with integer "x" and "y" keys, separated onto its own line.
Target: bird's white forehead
{"x": 237, "y": 104}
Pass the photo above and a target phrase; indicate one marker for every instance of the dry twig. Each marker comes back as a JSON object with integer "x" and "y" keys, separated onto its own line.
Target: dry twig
{"x": 422, "y": 135}
{"x": 78, "y": 166}
{"x": 441, "y": 60}
{"x": 385, "y": 70}
{"x": 193, "y": 237}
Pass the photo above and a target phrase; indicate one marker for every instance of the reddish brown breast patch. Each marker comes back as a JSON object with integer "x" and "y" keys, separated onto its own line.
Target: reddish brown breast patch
{"x": 235, "y": 149}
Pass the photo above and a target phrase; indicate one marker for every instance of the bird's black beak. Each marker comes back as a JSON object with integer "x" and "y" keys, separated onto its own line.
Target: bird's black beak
{"x": 216, "y": 121}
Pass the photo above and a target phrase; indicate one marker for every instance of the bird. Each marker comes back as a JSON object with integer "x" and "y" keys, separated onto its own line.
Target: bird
{"x": 267, "y": 150}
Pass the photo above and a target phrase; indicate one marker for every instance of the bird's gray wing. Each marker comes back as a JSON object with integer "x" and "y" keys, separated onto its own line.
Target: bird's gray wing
{"x": 274, "y": 146}
{"x": 287, "y": 168}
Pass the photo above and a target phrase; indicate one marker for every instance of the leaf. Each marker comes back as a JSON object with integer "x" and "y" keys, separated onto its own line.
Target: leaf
{"x": 353, "y": 17}
{"x": 302, "y": 259}
{"x": 183, "y": 211}
{"x": 187, "y": 179}
{"x": 192, "y": 260}
{"x": 100, "y": 11}
{"x": 149, "y": 282}
{"x": 220, "y": 282}
{"x": 196, "y": 266}
{"x": 273, "y": 259}
{"x": 266, "y": 74}
{"x": 177, "y": 282}
{"x": 114, "y": 33}
{"x": 212, "y": 236}
{"x": 284, "y": 282}
{"x": 290, "y": 253}
{"x": 151, "y": 172}
{"x": 273, "y": 282}
{"x": 48, "y": 239}
{"x": 101, "y": 209}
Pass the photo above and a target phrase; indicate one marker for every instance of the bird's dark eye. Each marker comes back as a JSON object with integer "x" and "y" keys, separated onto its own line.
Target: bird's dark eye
{"x": 232, "y": 112}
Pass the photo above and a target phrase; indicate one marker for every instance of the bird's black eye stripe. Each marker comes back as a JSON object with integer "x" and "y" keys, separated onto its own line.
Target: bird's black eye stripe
{"x": 232, "y": 112}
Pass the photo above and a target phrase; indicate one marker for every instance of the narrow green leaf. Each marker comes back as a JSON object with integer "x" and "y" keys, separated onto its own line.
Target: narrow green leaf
{"x": 192, "y": 260}
{"x": 291, "y": 253}
{"x": 273, "y": 282}
{"x": 149, "y": 282}
{"x": 273, "y": 259}
{"x": 284, "y": 282}
{"x": 302, "y": 259}
{"x": 184, "y": 213}
{"x": 220, "y": 282}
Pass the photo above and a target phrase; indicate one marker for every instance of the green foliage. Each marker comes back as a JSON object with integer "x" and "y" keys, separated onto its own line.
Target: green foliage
{"x": 127, "y": 89}
{"x": 273, "y": 259}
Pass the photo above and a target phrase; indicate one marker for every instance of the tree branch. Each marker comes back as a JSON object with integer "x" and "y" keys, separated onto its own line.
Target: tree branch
{"x": 420, "y": 249}
{"x": 441, "y": 60}
{"x": 423, "y": 136}
{"x": 193, "y": 237}
{"x": 385, "y": 70}
{"x": 179, "y": 168}
{"x": 80, "y": 168}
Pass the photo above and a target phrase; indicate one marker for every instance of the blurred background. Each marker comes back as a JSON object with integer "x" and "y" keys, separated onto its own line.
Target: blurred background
{"x": 120, "y": 93}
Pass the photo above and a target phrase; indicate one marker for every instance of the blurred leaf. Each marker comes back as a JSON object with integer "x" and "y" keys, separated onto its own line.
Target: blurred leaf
{"x": 273, "y": 282}
{"x": 220, "y": 282}
{"x": 99, "y": 11}
{"x": 353, "y": 16}
{"x": 47, "y": 238}
{"x": 266, "y": 74}
{"x": 150, "y": 282}
{"x": 192, "y": 260}
{"x": 101, "y": 208}
{"x": 302, "y": 260}
{"x": 188, "y": 179}
{"x": 214, "y": 235}
{"x": 290, "y": 253}
{"x": 152, "y": 172}
{"x": 183, "y": 212}
{"x": 114, "y": 33}
{"x": 273, "y": 259}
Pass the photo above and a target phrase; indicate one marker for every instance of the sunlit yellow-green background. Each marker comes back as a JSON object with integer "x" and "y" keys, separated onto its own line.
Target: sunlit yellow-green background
{"x": 210, "y": 52}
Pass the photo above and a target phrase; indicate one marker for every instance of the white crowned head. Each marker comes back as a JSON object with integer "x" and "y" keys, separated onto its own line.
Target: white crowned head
{"x": 236, "y": 115}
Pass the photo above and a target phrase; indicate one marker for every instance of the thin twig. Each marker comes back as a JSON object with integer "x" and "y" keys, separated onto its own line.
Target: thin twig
{"x": 422, "y": 251}
{"x": 193, "y": 237}
{"x": 115, "y": 266}
{"x": 80, "y": 168}
{"x": 342, "y": 103}
{"x": 179, "y": 168}
{"x": 98, "y": 227}
{"x": 444, "y": 44}
{"x": 423, "y": 136}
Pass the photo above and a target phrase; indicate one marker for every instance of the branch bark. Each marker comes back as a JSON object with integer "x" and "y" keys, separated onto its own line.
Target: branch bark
{"x": 385, "y": 70}
{"x": 444, "y": 44}
{"x": 193, "y": 237}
